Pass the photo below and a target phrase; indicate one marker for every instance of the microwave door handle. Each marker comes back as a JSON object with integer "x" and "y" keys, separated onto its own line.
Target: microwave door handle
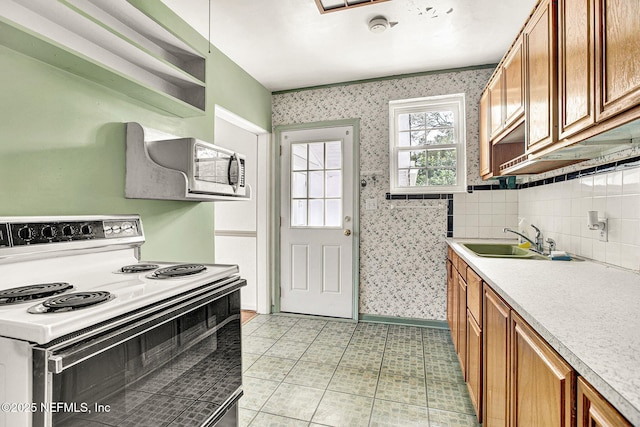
{"x": 232, "y": 160}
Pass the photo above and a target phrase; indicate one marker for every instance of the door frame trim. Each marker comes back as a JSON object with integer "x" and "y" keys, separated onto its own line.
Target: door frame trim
{"x": 275, "y": 224}
{"x": 263, "y": 198}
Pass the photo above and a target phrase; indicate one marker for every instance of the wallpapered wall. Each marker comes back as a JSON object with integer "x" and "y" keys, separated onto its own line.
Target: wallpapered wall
{"x": 402, "y": 250}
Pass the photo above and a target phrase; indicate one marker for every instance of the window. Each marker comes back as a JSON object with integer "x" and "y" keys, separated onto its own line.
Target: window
{"x": 316, "y": 184}
{"x": 427, "y": 145}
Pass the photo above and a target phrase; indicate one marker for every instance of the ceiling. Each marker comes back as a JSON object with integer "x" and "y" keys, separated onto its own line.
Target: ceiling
{"x": 288, "y": 44}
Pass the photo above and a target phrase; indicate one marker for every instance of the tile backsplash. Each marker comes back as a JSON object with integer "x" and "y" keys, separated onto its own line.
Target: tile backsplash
{"x": 560, "y": 210}
{"x": 484, "y": 214}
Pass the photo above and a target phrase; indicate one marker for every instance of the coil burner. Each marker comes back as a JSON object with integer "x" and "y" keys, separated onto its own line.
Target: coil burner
{"x": 177, "y": 271}
{"x": 72, "y": 301}
{"x": 137, "y": 268}
{"x": 32, "y": 292}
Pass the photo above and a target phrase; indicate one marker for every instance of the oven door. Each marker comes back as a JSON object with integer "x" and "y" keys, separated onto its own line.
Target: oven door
{"x": 179, "y": 364}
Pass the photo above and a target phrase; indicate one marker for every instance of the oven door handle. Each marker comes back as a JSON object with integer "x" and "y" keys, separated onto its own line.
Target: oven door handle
{"x": 58, "y": 361}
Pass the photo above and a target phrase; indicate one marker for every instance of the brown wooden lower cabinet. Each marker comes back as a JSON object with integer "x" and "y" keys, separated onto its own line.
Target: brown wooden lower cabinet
{"x": 454, "y": 308}
{"x": 542, "y": 383}
{"x": 496, "y": 320}
{"x": 514, "y": 377}
{"x": 450, "y": 294}
{"x": 474, "y": 363}
{"x": 594, "y": 410}
{"x": 462, "y": 325}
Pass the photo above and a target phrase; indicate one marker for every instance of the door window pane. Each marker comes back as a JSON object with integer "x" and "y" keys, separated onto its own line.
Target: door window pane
{"x": 334, "y": 213}
{"x": 316, "y": 156}
{"x": 298, "y": 213}
{"x": 334, "y": 184}
{"x": 316, "y": 184}
{"x": 334, "y": 155}
{"x": 316, "y": 213}
{"x": 299, "y": 185}
{"x": 299, "y": 157}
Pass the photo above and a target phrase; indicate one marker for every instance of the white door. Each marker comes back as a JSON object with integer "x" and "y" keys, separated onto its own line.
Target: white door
{"x": 316, "y": 239}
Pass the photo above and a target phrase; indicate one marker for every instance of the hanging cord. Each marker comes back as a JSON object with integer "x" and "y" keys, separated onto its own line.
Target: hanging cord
{"x": 209, "y": 26}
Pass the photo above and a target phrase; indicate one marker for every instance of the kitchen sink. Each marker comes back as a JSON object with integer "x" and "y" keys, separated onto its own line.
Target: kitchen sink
{"x": 501, "y": 250}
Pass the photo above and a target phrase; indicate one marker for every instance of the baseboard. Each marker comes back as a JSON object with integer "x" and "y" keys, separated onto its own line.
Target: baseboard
{"x": 407, "y": 321}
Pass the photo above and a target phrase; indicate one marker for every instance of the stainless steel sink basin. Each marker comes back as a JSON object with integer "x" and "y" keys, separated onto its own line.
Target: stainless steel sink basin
{"x": 501, "y": 250}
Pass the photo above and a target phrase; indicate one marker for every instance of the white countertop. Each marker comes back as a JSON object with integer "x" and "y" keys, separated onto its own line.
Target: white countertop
{"x": 587, "y": 311}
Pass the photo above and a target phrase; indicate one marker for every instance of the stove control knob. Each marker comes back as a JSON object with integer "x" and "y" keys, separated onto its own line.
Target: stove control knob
{"x": 86, "y": 229}
{"x": 49, "y": 232}
{"x": 67, "y": 231}
{"x": 25, "y": 233}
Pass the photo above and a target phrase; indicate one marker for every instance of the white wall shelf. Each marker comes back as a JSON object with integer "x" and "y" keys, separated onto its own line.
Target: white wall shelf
{"x": 112, "y": 43}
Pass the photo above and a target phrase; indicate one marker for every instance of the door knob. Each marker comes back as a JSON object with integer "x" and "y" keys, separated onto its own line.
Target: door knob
{"x": 347, "y": 232}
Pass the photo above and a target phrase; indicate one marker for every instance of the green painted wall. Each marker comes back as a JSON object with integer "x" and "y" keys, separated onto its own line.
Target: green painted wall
{"x": 62, "y": 145}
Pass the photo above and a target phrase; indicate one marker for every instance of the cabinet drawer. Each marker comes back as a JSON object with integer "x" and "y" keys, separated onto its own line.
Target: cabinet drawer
{"x": 474, "y": 295}
{"x": 462, "y": 268}
{"x": 454, "y": 260}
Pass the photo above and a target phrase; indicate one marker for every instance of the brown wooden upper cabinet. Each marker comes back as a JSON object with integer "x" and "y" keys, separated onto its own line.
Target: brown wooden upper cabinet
{"x": 506, "y": 93}
{"x": 579, "y": 65}
{"x": 540, "y": 98}
{"x": 496, "y": 104}
{"x": 617, "y": 56}
{"x": 599, "y": 62}
{"x": 513, "y": 76}
{"x": 576, "y": 66}
{"x": 484, "y": 139}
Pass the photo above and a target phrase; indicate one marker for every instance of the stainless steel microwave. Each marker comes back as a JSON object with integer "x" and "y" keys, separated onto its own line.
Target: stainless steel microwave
{"x": 210, "y": 169}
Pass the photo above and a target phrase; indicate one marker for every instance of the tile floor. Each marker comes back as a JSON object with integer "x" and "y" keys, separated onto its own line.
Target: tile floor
{"x": 313, "y": 372}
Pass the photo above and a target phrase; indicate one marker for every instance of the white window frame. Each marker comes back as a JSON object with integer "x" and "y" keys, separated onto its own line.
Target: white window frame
{"x": 456, "y": 102}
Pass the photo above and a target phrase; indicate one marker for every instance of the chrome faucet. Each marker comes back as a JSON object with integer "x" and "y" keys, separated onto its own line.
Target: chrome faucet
{"x": 537, "y": 245}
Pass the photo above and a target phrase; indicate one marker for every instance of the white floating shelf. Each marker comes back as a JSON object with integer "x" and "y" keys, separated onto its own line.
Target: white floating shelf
{"x": 110, "y": 42}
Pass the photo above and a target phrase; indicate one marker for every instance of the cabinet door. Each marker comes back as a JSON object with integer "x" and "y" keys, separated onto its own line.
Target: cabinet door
{"x": 576, "y": 79}
{"x": 483, "y": 138}
{"x": 513, "y": 74}
{"x": 474, "y": 364}
{"x": 453, "y": 326}
{"x": 541, "y": 381}
{"x": 618, "y": 56}
{"x": 462, "y": 325}
{"x": 540, "y": 54}
{"x": 496, "y": 104}
{"x": 450, "y": 289}
{"x": 594, "y": 410}
{"x": 495, "y": 360}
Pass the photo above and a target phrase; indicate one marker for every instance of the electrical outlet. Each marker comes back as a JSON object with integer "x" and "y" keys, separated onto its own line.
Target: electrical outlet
{"x": 604, "y": 233}
{"x": 372, "y": 204}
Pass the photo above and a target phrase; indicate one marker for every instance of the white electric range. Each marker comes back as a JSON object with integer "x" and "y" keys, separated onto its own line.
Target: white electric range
{"x": 75, "y": 298}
